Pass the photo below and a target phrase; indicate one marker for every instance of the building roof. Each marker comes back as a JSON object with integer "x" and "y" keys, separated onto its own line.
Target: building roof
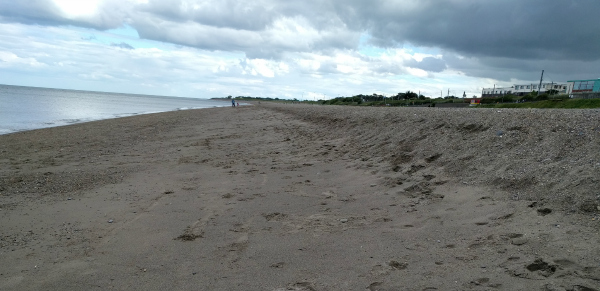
{"x": 584, "y": 80}
{"x": 544, "y": 83}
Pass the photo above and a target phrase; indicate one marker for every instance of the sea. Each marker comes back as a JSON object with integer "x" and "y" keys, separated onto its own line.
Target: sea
{"x": 26, "y": 108}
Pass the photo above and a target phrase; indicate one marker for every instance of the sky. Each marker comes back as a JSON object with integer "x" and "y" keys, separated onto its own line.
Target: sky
{"x": 308, "y": 50}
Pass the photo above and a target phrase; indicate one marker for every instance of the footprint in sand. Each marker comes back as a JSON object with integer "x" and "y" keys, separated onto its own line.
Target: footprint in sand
{"x": 300, "y": 286}
{"x": 264, "y": 181}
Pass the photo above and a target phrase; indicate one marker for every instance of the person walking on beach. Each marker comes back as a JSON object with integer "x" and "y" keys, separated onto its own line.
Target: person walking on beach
{"x": 232, "y": 102}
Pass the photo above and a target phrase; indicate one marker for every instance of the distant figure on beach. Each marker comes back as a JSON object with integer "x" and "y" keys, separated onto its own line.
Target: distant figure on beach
{"x": 237, "y": 104}
{"x": 232, "y": 103}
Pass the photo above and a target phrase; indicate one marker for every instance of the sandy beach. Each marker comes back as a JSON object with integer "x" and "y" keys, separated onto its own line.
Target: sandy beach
{"x": 297, "y": 197}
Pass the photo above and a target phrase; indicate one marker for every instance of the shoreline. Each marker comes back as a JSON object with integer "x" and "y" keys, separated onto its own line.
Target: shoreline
{"x": 27, "y": 108}
{"x": 67, "y": 122}
{"x": 301, "y": 197}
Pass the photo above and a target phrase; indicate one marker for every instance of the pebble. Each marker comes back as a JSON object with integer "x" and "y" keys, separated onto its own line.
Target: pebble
{"x": 344, "y": 220}
{"x": 110, "y": 221}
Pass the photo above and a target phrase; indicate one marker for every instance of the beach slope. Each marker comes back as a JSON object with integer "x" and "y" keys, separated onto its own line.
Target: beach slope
{"x": 297, "y": 197}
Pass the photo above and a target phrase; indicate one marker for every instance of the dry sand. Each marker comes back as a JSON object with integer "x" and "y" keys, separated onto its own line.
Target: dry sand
{"x": 294, "y": 197}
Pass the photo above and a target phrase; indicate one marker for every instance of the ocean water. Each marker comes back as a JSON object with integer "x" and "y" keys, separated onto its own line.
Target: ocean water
{"x": 27, "y": 108}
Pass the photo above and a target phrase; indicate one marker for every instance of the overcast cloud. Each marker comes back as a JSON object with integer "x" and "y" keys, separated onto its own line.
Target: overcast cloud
{"x": 311, "y": 49}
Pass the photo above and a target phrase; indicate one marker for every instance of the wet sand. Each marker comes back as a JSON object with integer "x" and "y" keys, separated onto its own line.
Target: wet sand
{"x": 296, "y": 197}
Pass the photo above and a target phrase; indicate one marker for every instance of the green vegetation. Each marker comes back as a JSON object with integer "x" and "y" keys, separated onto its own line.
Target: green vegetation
{"x": 259, "y": 98}
{"x": 541, "y": 101}
{"x": 554, "y": 103}
{"x": 532, "y": 97}
{"x": 401, "y": 99}
{"x": 413, "y": 99}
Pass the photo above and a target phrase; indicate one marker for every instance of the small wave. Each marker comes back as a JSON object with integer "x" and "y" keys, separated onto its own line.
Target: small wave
{"x": 71, "y": 121}
{"x": 119, "y": 115}
{"x": 6, "y": 131}
{"x": 9, "y": 130}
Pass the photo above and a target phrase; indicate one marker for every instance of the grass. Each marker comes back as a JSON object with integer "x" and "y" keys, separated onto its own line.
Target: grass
{"x": 567, "y": 104}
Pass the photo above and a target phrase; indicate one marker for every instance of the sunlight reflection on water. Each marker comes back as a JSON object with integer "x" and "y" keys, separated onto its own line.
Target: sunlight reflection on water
{"x": 26, "y": 108}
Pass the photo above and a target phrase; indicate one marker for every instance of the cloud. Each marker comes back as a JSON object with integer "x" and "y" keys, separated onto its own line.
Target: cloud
{"x": 318, "y": 44}
{"x": 105, "y": 14}
{"x": 536, "y": 29}
{"x": 261, "y": 29}
{"x": 238, "y": 15}
{"x": 506, "y": 69}
{"x": 42, "y": 12}
{"x": 283, "y": 35}
{"x": 122, "y": 45}
{"x": 9, "y": 59}
{"x": 429, "y": 64}
{"x": 264, "y": 68}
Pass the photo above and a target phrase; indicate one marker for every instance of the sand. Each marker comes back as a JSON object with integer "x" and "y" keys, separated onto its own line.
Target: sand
{"x": 299, "y": 197}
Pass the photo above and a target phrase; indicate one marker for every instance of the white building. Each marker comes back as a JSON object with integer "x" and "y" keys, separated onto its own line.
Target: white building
{"x": 524, "y": 89}
{"x": 520, "y": 90}
{"x": 584, "y": 88}
{"x": 496, "y": 91}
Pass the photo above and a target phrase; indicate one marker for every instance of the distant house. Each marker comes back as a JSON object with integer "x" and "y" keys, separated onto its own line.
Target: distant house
{"x": 475, "y": 101}
{"x": 496, "y": 92}
{"x": 521, "y": 90}
{"x": 524, "y": 89}
{"x": 584, "y": 88}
